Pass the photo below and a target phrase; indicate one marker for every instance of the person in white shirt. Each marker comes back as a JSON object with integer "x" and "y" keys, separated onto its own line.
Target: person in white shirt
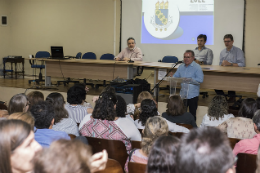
{"x": 217, "y": 112}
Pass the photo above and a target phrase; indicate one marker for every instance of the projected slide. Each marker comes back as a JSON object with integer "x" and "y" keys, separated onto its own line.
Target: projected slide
{"x": 177, "y": 21}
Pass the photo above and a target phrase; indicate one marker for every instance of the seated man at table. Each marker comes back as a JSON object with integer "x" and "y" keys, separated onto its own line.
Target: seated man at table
{"x": 231, "y": 56}
{"x": 131, "y": 52}
{"x": 203, "y": 55}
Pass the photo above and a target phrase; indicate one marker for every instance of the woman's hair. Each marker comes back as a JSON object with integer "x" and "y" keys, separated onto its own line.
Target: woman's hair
{"x": 248, "y": 108}
{"x": 76, "y": 94}
{"x": 64, "y": 156}
{"x": 109, "y": 89}
{"x": 57, "y": 100}
{"x": 17, "y": 103}
{"x": 162, "y": 157}
{"x": 148, "y": 109}
{"x": 142, "y": 96}
{"x": 154, "y": 128}
{"x": 24, "y": 116}
{"x": 218, "y": 107}
{"x": 104, "y": 108}
{"x": 13, "y": 133}
{"x": 175, "y": 106}
{"x": 120, "y": 106}
{"x": 35, "y": 97}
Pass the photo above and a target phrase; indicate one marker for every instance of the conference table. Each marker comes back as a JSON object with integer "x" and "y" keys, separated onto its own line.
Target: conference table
{"x": 244, "y": 79}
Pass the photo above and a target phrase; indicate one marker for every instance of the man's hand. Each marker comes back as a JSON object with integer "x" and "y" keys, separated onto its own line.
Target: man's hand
{"x": 199, "y": 62}
{"x": 126, "y": 59}
{"x": 98, "y": 161}
{"x": 117, "y": 59}
{"x": 226, "y": 63}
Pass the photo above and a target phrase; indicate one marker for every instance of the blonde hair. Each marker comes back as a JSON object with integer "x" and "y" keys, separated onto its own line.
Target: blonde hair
{"x": 154, "y": 128}
{"x": 142, "y": 96}
{"x": 64, "y": 156}
{"x": 26, "y": 117}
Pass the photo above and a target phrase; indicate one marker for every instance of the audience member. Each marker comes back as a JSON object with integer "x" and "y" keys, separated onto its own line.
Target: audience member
{"x": 205, "y": 150}
{"x": 104, "y": 115}
{"x": 134, "y": 109}
{"x": 121, "y": 108}
{"x": 18, "y": 103}
{"x": 176, "y": 112}
{"x": 69, "y": 156}
{"x": 43, "y": 114}
{"x": 250, "y": 146}
{"x": 76, "y": 96}
{"x": 162, "y": 157}
{"x": 154, "y": 128}
{"x": 62, "y": 122}
{"x": 241, "y": 127}
{"x": 258, "y": 161}
{"x": 149, "y": 109}
{"x": 217, "y": 112}
{"x": 3, "y": 110}
{"x": 34, "y": 97}
{"x": 106, "y": 89}
{"x": 24, "y": 116}
{"x": 17, "y": 147}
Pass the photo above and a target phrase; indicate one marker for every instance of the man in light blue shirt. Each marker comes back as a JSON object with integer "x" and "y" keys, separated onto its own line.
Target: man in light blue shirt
{"x": 190, "y": 69}
{"x": 203, "y": 55}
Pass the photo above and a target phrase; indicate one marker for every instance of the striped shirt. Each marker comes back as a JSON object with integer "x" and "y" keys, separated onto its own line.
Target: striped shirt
{"x": 77, "y": 113}
{"x": 67, "y": 125}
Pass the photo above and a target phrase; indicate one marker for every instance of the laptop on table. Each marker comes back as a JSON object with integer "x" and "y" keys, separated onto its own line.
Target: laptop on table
{"x": 57, "y": 52}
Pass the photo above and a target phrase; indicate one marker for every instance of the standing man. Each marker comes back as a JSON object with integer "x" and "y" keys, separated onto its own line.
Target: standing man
{"x": 203, "y": 55}
{"x": 231, "y": 56}
{"x": 190, "y": 69}
{"x": 131, "y": 52}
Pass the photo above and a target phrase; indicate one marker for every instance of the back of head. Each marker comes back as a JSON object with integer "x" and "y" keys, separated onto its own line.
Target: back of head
{"x": 204, "y": 150}
{"x": 148, "y": 109}
{"x": 162, "y": 157}
{"x": 120, "y": 106}
{"x": 109, "y": 89}
{"x": 154, "y": 128}
{"x": 13, "y": 133}
{"x": 256, "y": 119}
{"x": 35, "y": 97}
{"x": 218, "y": 107}
{"x": 248, "y": 108}
{"x": 26, "y": 117}
{"x": 175, "y": 106}
{"x": 144, "y": 95}
{"x": 76, "y": 95}
{"x": 18, "y": 103}
{"x": 43, "y": 114}
{"x": 57, "y": 100}
{"x": 64, "y": 156}
{"x": 104, "y": 108}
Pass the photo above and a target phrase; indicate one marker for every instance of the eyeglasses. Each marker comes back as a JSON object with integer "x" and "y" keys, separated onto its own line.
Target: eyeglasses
{"x": 227, "y": 41}
{"x": 186, "y": 57}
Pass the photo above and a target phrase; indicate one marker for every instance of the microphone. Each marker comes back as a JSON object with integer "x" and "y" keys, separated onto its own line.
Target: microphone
{"x": 179, "y": 62}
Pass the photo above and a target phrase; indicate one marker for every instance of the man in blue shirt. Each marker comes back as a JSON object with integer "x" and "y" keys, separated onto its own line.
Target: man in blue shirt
{"x": 190, "y": 69}
{"x": 43, "y": 114}
{"x": 203, "y": 54}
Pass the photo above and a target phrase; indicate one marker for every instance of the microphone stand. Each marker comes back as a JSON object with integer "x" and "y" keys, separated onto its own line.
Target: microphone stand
{"x": 158, "y": 84}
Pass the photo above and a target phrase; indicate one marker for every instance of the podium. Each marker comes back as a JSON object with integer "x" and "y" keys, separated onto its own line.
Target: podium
{"x": 180, "y": 86}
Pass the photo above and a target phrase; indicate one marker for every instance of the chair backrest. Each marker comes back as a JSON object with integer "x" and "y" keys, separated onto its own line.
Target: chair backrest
{"x": 107, "y": 56}
{"x": 246, "y": 163}
{"x": 134, "y": 167}
{"x": 115, "y": 148}
{"x": 78, "y": 56}
{"x": 89, "y": 55}
{"x": 72, "y": 136}
{"x": 170, "y": 59}
{"x": 233, "y": 142}
{"x": 112, "y": 167}
{"x": 188, "y": 126}
{"x": 42, "y": 54}
{"x": 176, "y": 134}
{"x": 136, "y": 144}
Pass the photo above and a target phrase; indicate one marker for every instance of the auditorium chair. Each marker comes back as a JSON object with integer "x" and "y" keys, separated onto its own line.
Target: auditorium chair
{"x": 233, "y": 142}
{"x": 176, "y": 134}
{"x": 246, "y": 163}
{"x": 136, "y": 144}
{"x": 65, "y": 82}
{"x": 115, "y": 148}
{"x": 112, "y": 166}
{"x": 188, "y": 126}
{"x": 134, "y": 167}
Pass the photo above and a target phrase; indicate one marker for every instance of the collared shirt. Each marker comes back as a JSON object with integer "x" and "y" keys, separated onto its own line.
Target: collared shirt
{"x": 249, "y": 146}
{"x": 194, "y": 72}
{"x": 204, "y": 55}
{"x": 67, "y": 125}
{"x": 234, "y": 56}
{"x": 77, "y": 113}
{"x": 135, "y": 54}
{"x": 46, "y": 136}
